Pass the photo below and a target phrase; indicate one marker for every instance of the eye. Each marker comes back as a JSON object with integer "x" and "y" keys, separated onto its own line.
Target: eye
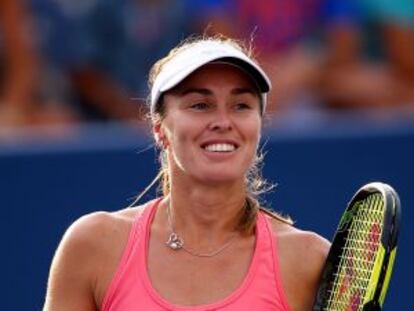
{"x": 242, "y": 106}
{"x": 199, "y": 106}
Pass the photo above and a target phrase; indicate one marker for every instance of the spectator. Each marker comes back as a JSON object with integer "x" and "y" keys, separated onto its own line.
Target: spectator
{"x": 19, "y": 64}
{"x": 370, "y": 54}
{"x": 341, "y": 54}
{"x": 282, "y": 32}
{"x": 21, "y": 100}
{"x": 99, "y": 49}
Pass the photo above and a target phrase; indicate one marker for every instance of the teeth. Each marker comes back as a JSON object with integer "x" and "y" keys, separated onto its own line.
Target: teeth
{"x": 220, "y": 147}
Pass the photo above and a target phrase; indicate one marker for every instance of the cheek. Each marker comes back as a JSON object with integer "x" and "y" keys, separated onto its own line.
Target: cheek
{"x": 181, "y": 133}
{"x": 255, "y": 136}
{"x": 254, "y": 130}
{"x": 181, "y": 139}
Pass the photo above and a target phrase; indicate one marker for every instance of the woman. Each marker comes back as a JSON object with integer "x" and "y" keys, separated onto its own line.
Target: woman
{"x": 205, "y": 244}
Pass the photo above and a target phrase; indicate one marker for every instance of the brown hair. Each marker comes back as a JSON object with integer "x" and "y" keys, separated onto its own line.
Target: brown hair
{"x": 255, "y": 183}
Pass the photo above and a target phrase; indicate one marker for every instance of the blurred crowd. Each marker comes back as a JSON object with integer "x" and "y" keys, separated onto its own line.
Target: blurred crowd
{"x": 63, "y": 62}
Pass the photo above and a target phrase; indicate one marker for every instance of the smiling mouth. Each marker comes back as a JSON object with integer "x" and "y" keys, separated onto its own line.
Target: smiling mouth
{"x": 224, "y": 147}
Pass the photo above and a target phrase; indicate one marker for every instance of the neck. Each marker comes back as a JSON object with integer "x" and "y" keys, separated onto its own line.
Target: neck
{"x": 208, "y": 213}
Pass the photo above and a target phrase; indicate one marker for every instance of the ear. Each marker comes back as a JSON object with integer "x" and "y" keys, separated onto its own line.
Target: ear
{"x": 156, "y": 130}
{"x": 159, "y": 135}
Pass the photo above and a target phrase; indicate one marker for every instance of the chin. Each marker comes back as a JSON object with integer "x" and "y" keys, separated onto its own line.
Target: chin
{"x": 220, "y": 177}
{"x": 213, "y": 173}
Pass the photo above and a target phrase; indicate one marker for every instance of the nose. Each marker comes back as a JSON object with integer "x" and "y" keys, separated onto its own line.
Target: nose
{"x": 221, "y": 122}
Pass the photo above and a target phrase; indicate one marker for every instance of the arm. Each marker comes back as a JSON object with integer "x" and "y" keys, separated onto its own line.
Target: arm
{"x": 74, "y": 269}
{"x": 349, "y": 80}
{"x": 20, "y": 58}
{"x": 107, "y": 96}
{"x": 399, "y": 42}
{"x": 302, "y": 257}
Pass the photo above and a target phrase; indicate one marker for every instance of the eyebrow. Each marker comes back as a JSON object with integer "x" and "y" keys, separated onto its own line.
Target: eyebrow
{"x": 204, "y": 91}
{"x": 244, "y": 90}
{"x": 201, "y": 91}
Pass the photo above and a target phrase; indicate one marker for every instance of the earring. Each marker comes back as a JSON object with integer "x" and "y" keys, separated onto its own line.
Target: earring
{"x": 164, "y": 143}
{"x": 161, "y": 141}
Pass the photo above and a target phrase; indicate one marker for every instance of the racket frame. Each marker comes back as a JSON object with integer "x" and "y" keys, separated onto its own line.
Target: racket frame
{"x": 389, "y": 237}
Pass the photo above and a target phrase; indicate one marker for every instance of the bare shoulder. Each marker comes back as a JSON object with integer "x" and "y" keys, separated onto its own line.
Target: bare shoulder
{"x": 302, "y": 256}
{"x": 87, "y": 258}
{"x": 296, "y": 241}
{"x": 97, "y": 240}
{"x": 95, "y": 230}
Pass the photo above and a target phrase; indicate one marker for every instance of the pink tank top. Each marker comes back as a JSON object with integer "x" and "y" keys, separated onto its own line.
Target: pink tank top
{"x": 131, "y": 289}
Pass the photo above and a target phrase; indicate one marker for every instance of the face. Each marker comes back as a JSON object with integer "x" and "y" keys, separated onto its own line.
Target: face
{"x": 212, "y": 124}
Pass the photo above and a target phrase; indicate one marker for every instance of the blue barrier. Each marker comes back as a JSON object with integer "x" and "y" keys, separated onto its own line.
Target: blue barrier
{"x": 46, "y": 185}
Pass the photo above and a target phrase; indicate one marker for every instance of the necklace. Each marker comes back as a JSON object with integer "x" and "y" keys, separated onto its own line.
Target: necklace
{"x": 175, "y": 242}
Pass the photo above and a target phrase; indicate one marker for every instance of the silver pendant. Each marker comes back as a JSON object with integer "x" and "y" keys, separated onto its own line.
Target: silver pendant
{"x": 174, "y": 241}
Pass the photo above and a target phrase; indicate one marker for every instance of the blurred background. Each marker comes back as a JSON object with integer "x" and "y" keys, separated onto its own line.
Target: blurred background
{"x": 73, "y": 135}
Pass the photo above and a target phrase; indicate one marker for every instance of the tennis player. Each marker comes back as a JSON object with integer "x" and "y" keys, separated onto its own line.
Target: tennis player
{"x": 206, "y": 243}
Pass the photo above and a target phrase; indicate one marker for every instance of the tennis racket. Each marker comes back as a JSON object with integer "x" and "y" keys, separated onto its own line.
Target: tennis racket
{"x": 359, "y": 264}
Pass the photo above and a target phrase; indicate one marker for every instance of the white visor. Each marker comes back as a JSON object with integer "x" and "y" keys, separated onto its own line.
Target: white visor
{"x": 200, "y": 54}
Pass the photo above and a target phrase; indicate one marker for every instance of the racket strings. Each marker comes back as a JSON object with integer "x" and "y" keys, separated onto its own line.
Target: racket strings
{"x": 358, "y": 256}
